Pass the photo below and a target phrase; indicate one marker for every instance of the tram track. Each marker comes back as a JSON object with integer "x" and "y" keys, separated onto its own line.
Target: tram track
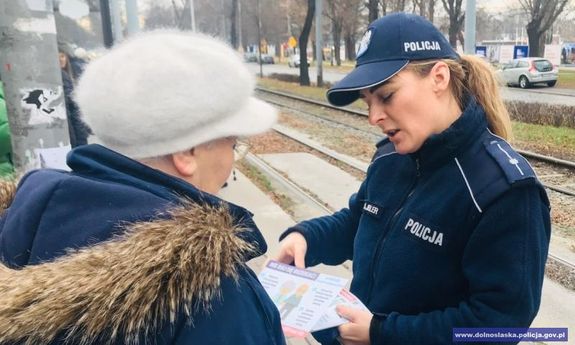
{"x": 532, "y": 156}
{"x": 563, "y": 270}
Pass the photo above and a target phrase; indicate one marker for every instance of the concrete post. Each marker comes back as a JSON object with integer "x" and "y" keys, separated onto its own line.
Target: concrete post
{"x": 116, "y": 21}
{"x": 192, "y": 15}
{"x": 132, "y": 15}
{"x": 470, "y": 15}
{"x": 32, "y": 81}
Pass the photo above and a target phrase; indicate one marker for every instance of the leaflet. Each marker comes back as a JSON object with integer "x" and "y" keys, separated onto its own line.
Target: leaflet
{"x": 331, "y": 318}
{"x": 303, "y": 297}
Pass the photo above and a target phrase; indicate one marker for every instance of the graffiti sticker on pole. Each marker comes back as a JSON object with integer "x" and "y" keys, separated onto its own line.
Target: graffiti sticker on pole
{"x": 44, "y": 105}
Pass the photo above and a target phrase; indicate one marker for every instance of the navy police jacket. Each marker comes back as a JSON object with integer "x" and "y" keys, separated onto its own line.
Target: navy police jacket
{"x": 453, "y": 235}
{"x": 162, "y": 262}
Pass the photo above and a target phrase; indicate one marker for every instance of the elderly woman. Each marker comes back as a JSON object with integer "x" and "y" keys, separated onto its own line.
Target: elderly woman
{"x": 132, "y": 246}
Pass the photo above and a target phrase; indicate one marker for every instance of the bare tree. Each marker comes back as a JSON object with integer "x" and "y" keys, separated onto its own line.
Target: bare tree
{"x": 383, "y": 4}
{"x": 373, "y": 8}
{"x": 420, "y": 6}
{"x": 335, "y": 14}
{"x": 456, "y": 19}
{"x": 542, "y": 14}
{"x": 425, "y": 8}
{"x": 160, "y": 17}
{"x": 397, "y": 5}
{"x": 352, "y": 23}
{"x": 303, "y": 39}
{"x": 431, "y": 10}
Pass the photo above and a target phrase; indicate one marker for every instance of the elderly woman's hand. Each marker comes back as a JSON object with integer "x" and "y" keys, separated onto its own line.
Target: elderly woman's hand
{"x": 356, "y": 331}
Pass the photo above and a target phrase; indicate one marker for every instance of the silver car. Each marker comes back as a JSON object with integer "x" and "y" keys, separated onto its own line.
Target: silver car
{"x": 528, "y": 71}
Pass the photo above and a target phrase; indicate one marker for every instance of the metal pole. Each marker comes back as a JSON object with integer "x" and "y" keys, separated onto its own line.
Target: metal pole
{"x": 260, "y": 39}
{"x": 318, "y": 42}
{"x": 240, "y": 41}
{"x": 192, "y": 16}
{"x": 133, "y": 19}
{"x": 106, "y": 23}
{"x": 116, "y": 20}
{"x": 470, "y": 27}
{"x": 33, "y": 84}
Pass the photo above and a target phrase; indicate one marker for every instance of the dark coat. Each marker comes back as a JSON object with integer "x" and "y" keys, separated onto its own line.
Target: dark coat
{"x": 77, "y": 129}
{"x": 454, "y": 235}
{"x": 162, "y": 262}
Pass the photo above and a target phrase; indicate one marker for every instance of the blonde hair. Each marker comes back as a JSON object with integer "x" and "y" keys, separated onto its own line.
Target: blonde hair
{"x": 472, "y": 75}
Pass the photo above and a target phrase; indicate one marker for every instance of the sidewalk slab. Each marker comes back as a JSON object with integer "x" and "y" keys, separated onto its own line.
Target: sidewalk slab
{"x": 332, "y": 185}
{"x": 272, "y": 221}
{"x": 557, "y": 308}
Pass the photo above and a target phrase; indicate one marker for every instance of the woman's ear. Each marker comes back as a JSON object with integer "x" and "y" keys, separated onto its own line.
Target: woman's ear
{"x": 440, "y": 76}
{"x": 185, "y": 162}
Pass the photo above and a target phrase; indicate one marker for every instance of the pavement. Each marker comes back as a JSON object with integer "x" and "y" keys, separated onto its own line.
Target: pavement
{"x": 309, "y": 172}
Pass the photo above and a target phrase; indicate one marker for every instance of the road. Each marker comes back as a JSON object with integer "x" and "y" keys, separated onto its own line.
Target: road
{"x": 551, "y": 95}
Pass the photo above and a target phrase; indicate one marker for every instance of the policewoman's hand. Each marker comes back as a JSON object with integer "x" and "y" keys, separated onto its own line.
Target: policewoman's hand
{"x": 292, "y": 250}
{"x": 356, "y": 331}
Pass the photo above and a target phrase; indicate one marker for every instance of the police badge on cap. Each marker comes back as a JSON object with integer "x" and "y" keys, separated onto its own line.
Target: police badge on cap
{"x": 364, "y": 44}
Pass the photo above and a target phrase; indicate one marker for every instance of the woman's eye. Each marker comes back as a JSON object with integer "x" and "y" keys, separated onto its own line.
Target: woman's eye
{"x": 386, "y": 98}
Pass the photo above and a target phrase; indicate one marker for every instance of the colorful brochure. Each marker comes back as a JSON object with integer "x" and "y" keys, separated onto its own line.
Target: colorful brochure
{"x": 305, "y": 299}
{"x": 331, "y": 318}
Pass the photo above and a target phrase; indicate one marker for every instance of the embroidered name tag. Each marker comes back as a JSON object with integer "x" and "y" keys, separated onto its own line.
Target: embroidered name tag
{"x": 372, "y": 209}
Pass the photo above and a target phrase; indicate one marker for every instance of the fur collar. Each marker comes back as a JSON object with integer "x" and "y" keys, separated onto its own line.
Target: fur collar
{"x": 7, "y": 192}
{"x": 127, "y": 287}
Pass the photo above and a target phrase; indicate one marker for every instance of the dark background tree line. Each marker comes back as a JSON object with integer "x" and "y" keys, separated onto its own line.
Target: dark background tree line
{"x": 238, "y": 21}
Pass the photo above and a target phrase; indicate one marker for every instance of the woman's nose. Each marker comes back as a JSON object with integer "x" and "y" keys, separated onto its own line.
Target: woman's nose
{"x": 375, "y": 115}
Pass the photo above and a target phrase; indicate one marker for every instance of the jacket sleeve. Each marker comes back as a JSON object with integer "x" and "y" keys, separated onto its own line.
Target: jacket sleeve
{"x": 330, "y": 238}
{"x": 5, "y": 145}
{"x": 504, "y": 262}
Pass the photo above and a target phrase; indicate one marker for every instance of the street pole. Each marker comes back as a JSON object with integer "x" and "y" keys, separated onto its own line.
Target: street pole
{"x": 116, "y": 20}
{"x": 240, "y": 41}
{"x": 33, "y": 85}
{"x": 133, "y": 19}
{"x": 470, "y": 27}
{"x": 106, "y": 23}
{"x": 260, "y": 39}
{"x": 192, "y": 16}
{"x": 318, "y": 42}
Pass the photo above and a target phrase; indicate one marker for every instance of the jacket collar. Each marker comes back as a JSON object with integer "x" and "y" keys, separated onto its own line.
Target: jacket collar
{"x": 445, "y": 146}
{"x": 128, "y": 287}
{"x": 96, "y": 161}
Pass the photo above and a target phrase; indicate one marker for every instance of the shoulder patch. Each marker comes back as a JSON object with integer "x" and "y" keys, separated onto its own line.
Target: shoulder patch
{"x": 514, "y": 166}
{"x": 491, "y": 168}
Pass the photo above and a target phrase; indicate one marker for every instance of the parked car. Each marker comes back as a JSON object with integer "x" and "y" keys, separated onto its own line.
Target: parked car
{"x": 250, "y": 57}
{"x": 267, "y": 59}
{"x": 525, "y": 72}
{"x": 294, "y": 61}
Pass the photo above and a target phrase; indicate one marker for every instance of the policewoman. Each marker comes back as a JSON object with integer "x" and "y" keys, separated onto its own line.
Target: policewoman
{"x": 451, "y": 227}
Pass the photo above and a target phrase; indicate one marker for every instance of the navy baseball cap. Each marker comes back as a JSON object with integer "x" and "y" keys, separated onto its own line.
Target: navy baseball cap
{"x": 387, "y": 46}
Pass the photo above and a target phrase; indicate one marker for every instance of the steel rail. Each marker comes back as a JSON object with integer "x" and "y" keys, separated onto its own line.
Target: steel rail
{"x": 527, "y": 154}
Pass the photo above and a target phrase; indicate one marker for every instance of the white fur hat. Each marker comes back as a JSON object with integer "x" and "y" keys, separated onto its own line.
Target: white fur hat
{"x": 166, "y": 91}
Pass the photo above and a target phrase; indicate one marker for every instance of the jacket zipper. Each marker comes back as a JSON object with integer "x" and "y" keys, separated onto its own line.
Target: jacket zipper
{"x": 382, "y": 239}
